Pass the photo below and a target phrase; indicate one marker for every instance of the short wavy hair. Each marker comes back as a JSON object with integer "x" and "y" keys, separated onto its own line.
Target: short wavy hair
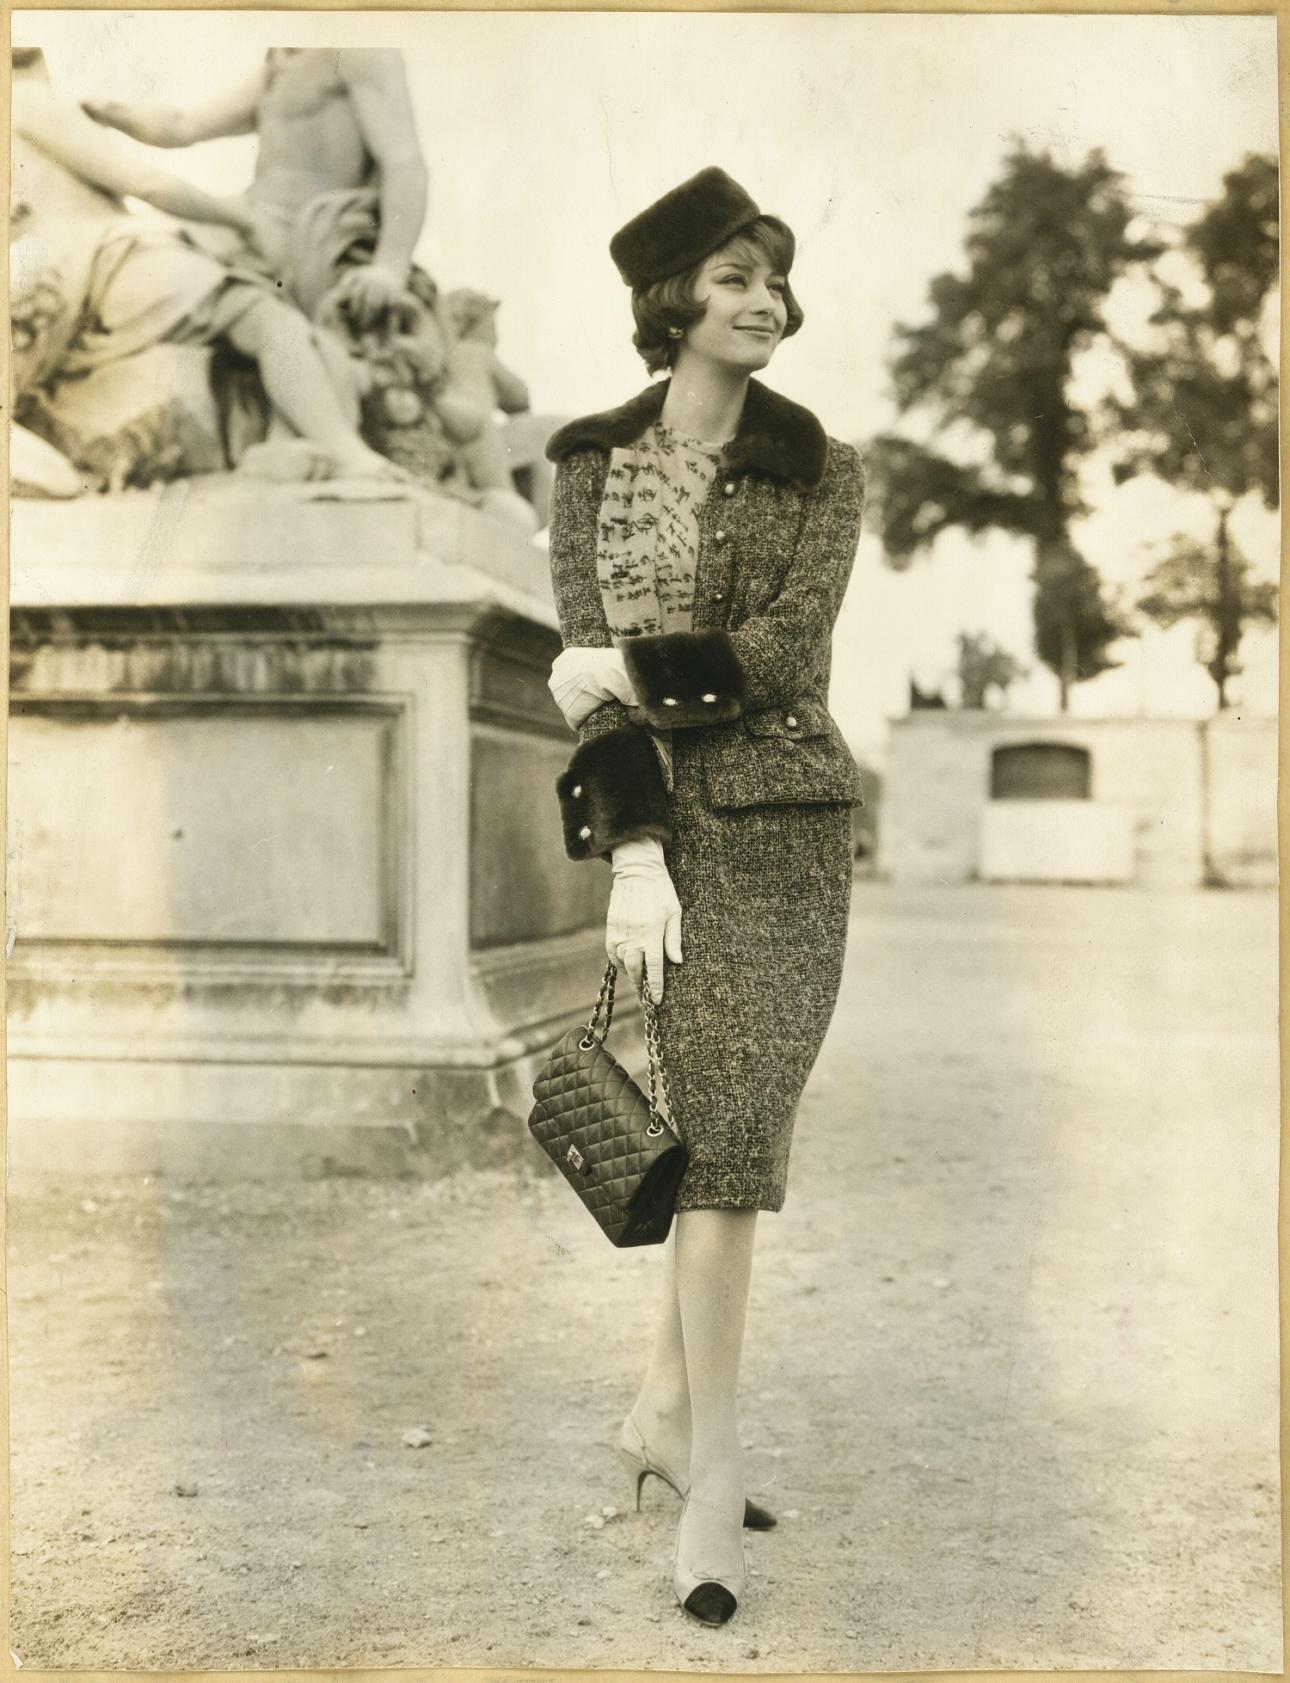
{"x": 671, "y": 302}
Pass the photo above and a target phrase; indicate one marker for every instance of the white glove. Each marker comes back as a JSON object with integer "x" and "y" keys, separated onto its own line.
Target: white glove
{"x": 644, "y": 918}
{"x": 582, "y": 678}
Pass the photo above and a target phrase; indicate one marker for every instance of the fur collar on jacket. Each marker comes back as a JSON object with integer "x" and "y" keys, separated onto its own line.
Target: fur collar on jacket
{"x": 776, "y": 436}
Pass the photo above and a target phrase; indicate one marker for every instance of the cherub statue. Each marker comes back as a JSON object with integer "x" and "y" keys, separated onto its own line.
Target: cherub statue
{"x": 476, "y": 384}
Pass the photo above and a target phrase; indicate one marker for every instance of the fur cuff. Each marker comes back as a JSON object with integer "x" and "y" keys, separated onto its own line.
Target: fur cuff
{"x": 610, "y": 792}
{"x": 685, "y": 678}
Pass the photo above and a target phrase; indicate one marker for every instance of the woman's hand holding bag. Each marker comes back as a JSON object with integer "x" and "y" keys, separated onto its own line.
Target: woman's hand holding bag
{"x": 582, "y": 678}
{"x": 644, "y": 920}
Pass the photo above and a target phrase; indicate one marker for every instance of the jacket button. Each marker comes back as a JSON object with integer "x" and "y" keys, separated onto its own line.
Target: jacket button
{"x": 709, "y": 697}
{"x": 669, "y": 701}
{"x": 585, "y": 832}
{"x": 718, "y": 595}
{"x": 791, "y": 721}
{"x": 729, "y": 488}
{"x": 720, "y": 537}
{"x": 576, "y": 790}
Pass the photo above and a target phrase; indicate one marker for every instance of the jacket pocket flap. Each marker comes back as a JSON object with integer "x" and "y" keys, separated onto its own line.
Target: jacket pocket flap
{"x": 798, "y": 720}
{"x": 779, "y": 764}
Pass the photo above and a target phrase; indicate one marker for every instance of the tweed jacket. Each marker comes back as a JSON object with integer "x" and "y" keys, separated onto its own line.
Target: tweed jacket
{"x": 777, "y": 540}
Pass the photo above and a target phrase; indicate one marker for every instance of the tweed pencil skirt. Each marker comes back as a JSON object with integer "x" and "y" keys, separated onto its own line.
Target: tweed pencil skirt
{"x": 765, "y": 892}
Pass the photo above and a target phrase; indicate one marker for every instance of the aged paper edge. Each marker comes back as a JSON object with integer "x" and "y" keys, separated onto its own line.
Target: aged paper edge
{"x": 1280, "y": 9}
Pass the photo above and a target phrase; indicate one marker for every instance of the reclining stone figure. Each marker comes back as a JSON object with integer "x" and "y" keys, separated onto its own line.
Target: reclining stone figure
{"x": 96, "y": 289}
{"x": 338, "y": 203}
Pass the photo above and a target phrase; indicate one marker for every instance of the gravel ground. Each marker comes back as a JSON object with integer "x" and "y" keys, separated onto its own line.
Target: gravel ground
{"x": 1011, "y": 1374}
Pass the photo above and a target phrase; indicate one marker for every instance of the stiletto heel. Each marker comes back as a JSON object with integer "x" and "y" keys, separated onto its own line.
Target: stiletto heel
{"x": 710, "y": 1597}
{"x": 640, "y": 1462}
{"x": 636, "y": 1470}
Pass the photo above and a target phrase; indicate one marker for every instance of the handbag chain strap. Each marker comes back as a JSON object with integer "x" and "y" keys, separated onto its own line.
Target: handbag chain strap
{"x": 657, "y": 1077}
{"x": 655, "y": 1062}
{"x": 605, "y": 1001}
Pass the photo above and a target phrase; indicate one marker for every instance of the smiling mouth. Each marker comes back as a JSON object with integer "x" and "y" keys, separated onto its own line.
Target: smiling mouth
{"x": 761, "y": 332}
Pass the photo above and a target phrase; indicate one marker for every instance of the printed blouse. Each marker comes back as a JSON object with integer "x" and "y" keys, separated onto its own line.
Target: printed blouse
{"x": 648, "y": 540}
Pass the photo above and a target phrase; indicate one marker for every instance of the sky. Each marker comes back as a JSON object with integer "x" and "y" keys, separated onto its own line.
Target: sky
{"x": 872, "y": 134}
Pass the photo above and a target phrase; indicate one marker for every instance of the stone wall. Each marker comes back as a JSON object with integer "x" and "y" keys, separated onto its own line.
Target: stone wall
{"x": 1242, "y": 768}
{"x": 1196, "y": 798}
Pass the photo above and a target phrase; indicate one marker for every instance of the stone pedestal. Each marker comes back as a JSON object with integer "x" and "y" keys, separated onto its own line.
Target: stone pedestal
{"x": 287, "y": 890}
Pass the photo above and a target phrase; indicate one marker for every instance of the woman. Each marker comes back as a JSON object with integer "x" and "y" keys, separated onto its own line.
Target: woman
{"x": 701, "y": 541}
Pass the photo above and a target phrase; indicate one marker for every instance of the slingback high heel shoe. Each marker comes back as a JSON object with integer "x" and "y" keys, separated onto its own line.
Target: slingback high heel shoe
{"x": 710, "y": 1597}
{"x": 641, "y": 1462}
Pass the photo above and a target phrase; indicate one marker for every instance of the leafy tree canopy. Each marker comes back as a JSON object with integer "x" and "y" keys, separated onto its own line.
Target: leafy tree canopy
{"x": 1203, "y": 410}
{"x": 1043, "y": 249}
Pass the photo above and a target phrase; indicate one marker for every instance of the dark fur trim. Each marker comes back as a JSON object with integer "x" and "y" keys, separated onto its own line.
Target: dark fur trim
{"x": 613, "y": 789}
{"x": 775, "y": 437}
{"x": 674, "y": 672}
{"x": 680, "y": 229}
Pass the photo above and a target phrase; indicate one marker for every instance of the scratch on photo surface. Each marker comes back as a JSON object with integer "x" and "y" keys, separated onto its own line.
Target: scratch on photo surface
{"x": 31, "y": 579}
{"x": 13, "y": 880}
{"x": 609, "y": 150}
{"x": 166, "y": 515}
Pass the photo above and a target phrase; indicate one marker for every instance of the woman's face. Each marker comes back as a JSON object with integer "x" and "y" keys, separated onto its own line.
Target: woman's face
{"x": 745, "y": 316}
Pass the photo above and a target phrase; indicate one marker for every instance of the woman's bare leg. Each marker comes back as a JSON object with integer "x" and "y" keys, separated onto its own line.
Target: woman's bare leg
{"x": 662, "y": 1408}
{"x": 714, "y": 1250}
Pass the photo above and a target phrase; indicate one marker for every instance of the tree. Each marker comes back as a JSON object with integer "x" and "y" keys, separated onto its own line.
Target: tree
{"x": 993, "y": 362}
{"x": 1203, "y": 410}
{"x": 1216, "y": 588}
{"x": 983, "y": 666}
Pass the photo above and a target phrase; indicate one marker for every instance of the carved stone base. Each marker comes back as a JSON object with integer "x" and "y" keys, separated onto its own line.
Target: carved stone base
{"x": 227, "y": 1120}
{"x": 286, "y": 878}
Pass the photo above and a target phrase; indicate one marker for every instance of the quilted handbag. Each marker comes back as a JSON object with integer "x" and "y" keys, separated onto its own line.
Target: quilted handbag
{"x": 607, "y": 1139}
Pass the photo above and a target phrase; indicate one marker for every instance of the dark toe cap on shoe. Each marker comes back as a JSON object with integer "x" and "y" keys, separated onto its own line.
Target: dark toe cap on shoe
{"x": 713, "y": 1603}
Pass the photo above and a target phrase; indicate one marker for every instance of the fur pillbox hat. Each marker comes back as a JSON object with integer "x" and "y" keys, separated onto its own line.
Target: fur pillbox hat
{"x": 682, "y": 228}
